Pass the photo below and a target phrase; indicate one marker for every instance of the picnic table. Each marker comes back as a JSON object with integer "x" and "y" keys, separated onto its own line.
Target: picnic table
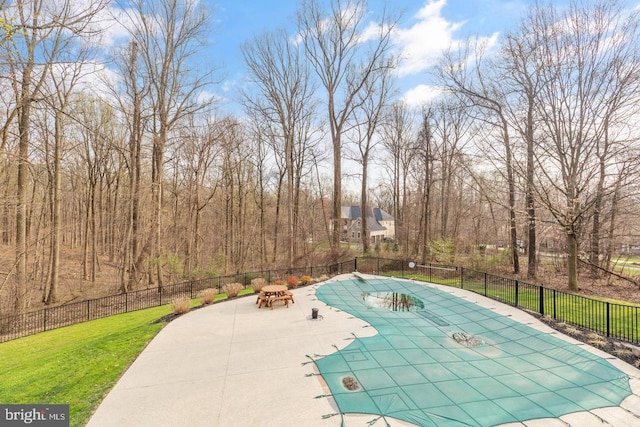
{"x": 272, "y": 293}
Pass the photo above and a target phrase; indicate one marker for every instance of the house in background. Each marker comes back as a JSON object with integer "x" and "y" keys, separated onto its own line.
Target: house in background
{"x": 381, "y": 225}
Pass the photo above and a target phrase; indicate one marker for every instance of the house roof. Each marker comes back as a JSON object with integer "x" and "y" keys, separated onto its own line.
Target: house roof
{"x": 375, "y": 226}
{"x": 354, "y": 212}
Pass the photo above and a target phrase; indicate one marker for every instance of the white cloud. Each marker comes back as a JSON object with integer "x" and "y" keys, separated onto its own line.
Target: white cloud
{"x": 115, "y": 22}
{"x": 421, "y": 95}
{"x": 423, "y": 43}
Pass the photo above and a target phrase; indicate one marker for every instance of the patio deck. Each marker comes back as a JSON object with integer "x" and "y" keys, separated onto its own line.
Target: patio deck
{"x": 232, "y": 364}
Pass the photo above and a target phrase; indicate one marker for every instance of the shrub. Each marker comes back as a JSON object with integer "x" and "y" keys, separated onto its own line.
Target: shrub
{"x": 278, "y": 282}
{"x": 258, "y": 283}
{"x": 207, "y": 295}
{"x": 232, "y": 289}
{"x": 181, "y": 305}
{"x": 292, "y": 281}
{"x": 596, "y": 340}
{"x": 622, "y": 353}
{"x": 305, "y": 280}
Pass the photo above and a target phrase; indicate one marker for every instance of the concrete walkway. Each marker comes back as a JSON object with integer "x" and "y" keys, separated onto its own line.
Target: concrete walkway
{"x": 232, "y": 364}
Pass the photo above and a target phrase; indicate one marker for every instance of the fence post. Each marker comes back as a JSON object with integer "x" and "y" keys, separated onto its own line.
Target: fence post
{"x": 44, "y": 319}
{"x": 88, "y": 307}
{"x": 355, "y": 264}
{"x": 126, "y": 302}
{"x": 517, "y": 288}
{"x": 555, "y": 314}
{"x": 541, "y": 290}
{"x": 160, "y": 291}
{"x": 485, "y": 284}
{"x": 608, "y": 319}
{"x": 461, "y": 277}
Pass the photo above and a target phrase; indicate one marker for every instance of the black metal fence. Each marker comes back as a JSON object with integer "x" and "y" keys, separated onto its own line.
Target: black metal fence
{"x": 16, "y": 326}
{"x": 614, "y": 320}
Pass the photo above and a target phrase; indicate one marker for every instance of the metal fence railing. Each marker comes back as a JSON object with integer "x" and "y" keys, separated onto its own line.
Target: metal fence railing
{"x": 619, "y": 321}
{"x": 16, "y": 326}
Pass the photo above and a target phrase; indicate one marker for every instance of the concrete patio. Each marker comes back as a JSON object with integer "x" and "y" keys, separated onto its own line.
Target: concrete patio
{"x": 232, "y": 364}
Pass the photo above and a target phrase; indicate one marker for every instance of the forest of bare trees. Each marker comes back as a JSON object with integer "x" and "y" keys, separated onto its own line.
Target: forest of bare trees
{"x": 119, "y": 166}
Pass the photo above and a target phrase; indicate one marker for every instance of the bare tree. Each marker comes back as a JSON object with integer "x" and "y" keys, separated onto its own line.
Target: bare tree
{"x": 130, "y": 98}
{"x": 236, "y": 189}
{"x": 451, "y": 131}
{"x": 41, "y": 31}
{"x": 368, "y": 118}
{"x": 286, "y": 100}
{"x": 168, "y": 35}
{"x": 521, "y": 75}
{"x": 259, "y": 147}
{"x": 344, "y": 58}
{"x": 63, "y": 79}
{"x": 588, "y": 59}
{"x": 425, "y": 172}
{"x": 473, "y": 78}
{"x": 201, "y": 156}
{"x": 399, "y": 141}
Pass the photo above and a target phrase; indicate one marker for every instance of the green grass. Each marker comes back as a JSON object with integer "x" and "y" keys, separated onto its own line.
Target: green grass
{"x": 455, "y": 281}
{"x": 75, "y": 365}
{"x": 220, "y": 297}
{"x": 223, "y": 296}
{"x": 630, "y": 258}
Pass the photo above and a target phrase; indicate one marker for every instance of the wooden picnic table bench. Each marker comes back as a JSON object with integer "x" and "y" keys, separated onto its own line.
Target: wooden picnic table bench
{"x": 272, "y": 293}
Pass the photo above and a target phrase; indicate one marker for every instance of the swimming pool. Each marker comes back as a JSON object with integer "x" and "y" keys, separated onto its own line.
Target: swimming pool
{"x": 440, "y": 360}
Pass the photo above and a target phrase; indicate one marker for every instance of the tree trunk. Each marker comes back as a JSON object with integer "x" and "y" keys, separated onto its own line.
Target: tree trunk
{"x": 572, "y": 260}
{"x": 363, "y": 206}
{"x": 24, "y": 120}
{"x": 532, "y": 265}
{"x": 594, "y": 247}
{"x": 52, "y": 296}
{"x": 159, "y": 144}
{"x": 512, "y": 198}
{"x": 290, "y": 202}
{"x": 337, "y": 198}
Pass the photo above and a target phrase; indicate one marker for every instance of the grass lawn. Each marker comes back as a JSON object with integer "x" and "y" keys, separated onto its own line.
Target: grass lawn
{"x": 75, "y": 365}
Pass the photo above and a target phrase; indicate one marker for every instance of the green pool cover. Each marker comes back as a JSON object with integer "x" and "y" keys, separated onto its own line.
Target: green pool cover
{"x": 439, "y": 360}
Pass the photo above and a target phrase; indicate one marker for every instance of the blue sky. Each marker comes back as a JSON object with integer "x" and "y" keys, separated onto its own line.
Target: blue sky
{"x": 426, "y": 27}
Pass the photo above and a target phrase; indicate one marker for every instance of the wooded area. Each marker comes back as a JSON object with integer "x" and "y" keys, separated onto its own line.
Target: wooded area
{"x": 122, "y": 157}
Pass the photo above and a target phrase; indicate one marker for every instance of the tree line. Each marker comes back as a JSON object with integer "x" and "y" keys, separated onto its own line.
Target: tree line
{"x": 123, "y": 155}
